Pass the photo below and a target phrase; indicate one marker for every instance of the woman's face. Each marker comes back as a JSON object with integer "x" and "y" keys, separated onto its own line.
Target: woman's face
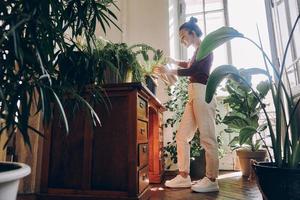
{"x": 186, "y": 38}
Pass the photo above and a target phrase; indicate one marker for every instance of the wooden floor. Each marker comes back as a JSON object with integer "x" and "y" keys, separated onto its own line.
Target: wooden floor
{"x": 232, "y": 187}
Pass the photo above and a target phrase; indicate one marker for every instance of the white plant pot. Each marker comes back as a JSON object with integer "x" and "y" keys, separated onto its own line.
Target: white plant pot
{"x": 9, "y": 180}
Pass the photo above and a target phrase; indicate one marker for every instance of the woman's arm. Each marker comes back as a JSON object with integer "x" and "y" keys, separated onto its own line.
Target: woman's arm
{"x": 202, "y": 65}
{"x": 180, "y": 63}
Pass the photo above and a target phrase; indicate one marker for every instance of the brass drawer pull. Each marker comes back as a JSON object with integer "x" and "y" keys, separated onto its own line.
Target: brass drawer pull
{"x": 144, "y": 176}
{"x": 142, "y": 131}
{"x": 142, "y": 105}
{"x": 144, "y": 149}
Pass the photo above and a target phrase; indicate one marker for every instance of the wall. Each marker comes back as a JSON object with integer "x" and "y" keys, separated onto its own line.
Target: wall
{"x": 141, "y": 21}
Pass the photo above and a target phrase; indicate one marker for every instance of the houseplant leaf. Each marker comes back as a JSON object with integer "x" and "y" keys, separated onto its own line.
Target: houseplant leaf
{"x": 216, "y": 39}
{"x": 246, "y": 134}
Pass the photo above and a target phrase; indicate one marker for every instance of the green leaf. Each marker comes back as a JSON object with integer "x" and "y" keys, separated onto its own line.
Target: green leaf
{"x": 263, "y": 88}
{"x": 235, "y": 121}
{"x": 262, "y": 127}
{"x": 296, "y": 155}
{"x": 216, "y": 39}
{"x": 246, "y": 134}
{"x": 216, "y": 78}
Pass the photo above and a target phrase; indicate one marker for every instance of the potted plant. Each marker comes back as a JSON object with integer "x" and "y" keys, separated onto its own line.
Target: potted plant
{"x": 243, "y": 120}
{"x": 279, "y": 178}
{"x": 148, "y": 58}
{"x": 32, "y": 35}
{"x": 117, "y": 63}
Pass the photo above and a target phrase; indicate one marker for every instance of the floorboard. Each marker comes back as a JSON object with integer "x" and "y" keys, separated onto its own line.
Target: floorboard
{"x": 232, "y": 187}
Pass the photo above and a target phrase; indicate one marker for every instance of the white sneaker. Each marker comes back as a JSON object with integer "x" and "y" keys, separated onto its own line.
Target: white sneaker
{"x": 206, "y": 185}
{"x": 179, "y": 182}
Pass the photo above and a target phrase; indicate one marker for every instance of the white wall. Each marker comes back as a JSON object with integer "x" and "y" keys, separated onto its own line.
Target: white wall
{"x": 142, "y": 21}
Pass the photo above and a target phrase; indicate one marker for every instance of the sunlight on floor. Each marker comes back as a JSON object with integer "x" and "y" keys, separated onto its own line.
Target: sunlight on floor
{"x": 157, "y": 189}
{"x": 230, "y": 175}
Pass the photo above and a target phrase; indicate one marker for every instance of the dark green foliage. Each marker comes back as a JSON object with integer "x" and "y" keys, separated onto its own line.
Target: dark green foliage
{"x": 32, "y": 35}
{"x": 284, "y": 132}
{"x": 243, "y": 117}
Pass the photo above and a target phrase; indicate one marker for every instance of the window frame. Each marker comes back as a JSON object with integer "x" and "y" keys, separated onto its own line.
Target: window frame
{"x": 276, "y": 38}
{"x": 183, "y": 16}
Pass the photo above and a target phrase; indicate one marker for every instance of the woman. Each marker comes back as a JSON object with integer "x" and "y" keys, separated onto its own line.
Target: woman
{"x": 197, "y": 114}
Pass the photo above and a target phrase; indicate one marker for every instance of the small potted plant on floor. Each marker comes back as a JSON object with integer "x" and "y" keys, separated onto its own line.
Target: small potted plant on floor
{"x": 279, "y": 178}
{"x": 243, "y": 120}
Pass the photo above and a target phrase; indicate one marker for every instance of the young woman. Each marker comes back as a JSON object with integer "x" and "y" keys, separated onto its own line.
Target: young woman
{"x": 197, "y": 114}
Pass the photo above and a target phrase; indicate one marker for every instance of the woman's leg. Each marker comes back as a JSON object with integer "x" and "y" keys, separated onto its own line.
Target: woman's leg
{"x": 205, "y": 117}
{"x": 185, "y": 134}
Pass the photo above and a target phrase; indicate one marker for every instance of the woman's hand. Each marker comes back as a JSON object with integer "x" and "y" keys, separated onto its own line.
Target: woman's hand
{"x": 161, "y": 69}
{"x": 171, "y": 60}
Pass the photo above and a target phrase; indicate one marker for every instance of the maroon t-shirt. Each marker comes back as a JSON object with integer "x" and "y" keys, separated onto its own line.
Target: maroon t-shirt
{"x": 198, "y": 71}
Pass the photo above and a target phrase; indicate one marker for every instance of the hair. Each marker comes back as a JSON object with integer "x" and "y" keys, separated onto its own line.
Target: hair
{"x": 192, "y": 26}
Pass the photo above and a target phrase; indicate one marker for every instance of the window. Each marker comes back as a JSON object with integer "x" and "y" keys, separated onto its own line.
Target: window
{"x": 211, "y": 15}
{"x": 284, "y": 14}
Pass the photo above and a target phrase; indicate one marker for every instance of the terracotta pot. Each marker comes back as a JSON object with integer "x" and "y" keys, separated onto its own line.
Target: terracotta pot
{"x": 246, "y": 155}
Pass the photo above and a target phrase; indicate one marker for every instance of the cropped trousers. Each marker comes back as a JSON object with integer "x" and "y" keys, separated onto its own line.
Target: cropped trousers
{"x": 201, "y": 115}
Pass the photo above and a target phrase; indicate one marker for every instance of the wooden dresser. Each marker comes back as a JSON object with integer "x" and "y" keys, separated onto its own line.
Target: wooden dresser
{"x": 114, "y": 161}
{"x": 156, "y": 153}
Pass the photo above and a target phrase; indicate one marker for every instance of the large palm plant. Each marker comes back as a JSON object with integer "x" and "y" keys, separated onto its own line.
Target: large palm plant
{"x": 32, "y": 35}
{"x": 285, "y": 137}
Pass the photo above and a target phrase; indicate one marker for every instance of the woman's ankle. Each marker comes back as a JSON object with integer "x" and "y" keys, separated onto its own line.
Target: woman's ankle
{"x": 184, "y": 174}
{"x": 212, "y": 179}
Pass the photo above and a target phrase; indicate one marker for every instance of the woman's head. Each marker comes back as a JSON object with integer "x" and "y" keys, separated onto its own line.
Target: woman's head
{"x": 189, "y": 31}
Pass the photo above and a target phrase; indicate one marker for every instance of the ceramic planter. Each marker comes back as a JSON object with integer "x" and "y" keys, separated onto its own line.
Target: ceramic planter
{"x": 10, "y": 175}
{"x": 277, "y": 183}
{"x": 151, "y": 84}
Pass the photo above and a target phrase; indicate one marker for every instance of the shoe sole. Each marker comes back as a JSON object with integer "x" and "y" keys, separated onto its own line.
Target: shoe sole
{"x": 205, "y": 190}
{"x": 178, "y": 186}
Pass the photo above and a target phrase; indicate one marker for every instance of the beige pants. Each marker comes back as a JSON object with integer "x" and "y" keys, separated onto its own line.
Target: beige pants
{"x": 198, "y": 114}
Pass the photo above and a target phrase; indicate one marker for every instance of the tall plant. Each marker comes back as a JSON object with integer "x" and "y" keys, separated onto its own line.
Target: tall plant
{"x": 284, "y": 135}
{"x": 32, "y": 35}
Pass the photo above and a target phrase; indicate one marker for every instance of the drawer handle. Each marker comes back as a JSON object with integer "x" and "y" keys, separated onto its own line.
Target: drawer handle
{"x": 144, "y": 149}
{"x": 142, "y": 104}
{"x": 144, "y": 177}
{"x": 142, "y": 131}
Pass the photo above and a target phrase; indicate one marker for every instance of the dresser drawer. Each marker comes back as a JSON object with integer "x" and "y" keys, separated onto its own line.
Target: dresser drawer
{"x": 160, "y": 136}
{"x": 143, "y": 155}
{"x": 142, "y": 108}
{"x": 161, "y": 165}
{"x": 143, "y": 179}
{"x": 142, "y": 132}
{"x": 160, "y": 120}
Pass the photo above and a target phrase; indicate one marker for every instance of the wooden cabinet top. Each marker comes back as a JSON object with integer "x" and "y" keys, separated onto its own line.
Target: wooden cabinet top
{"x": 134, "y": 86}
